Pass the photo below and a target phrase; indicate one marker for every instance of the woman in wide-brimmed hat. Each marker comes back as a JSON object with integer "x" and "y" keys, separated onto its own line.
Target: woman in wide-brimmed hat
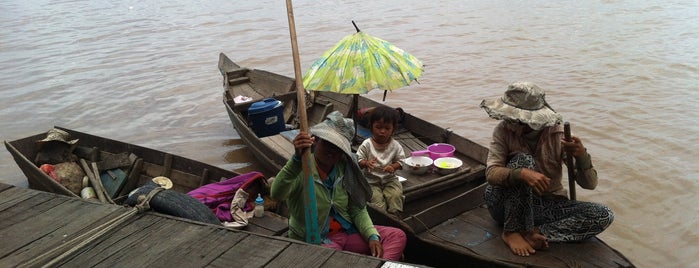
{"x": 341, "y": 193}
{"x": 524, "y": 173}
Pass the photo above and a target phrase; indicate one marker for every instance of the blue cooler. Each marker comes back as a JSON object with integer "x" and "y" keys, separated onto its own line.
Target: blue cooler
{"x": 266, "y": 117}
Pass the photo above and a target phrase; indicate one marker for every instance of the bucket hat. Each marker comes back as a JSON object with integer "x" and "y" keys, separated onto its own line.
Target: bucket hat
{"x": 337, "y": 130}
{"x": 523, "y": 102}
{"x": 58, "y": 135}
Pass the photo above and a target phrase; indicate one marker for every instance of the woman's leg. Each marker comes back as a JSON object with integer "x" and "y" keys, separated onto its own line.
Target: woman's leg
{"x": 393, "y": 241}
{"x": 513, "y": 207}
{"x": 564, "y": 220}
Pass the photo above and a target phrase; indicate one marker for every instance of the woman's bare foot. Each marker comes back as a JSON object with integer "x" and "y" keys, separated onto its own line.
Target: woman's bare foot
{"x": 536, "y": 240}
{"x": 518, "y": 244}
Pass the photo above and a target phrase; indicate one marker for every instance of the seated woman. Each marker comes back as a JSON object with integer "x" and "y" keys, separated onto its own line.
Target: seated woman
{"x": 340, "y": 190}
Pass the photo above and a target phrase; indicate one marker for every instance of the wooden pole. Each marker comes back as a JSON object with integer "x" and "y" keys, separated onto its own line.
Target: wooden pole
{"x": 309, "y": 200}
{"x": 569, "y": 163}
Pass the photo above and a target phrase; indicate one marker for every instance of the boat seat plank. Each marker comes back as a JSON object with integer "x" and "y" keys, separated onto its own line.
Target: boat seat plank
{"x": 410, "y": 142}
{"x": 318, "y": 112}
{"x": 245, "y": 90}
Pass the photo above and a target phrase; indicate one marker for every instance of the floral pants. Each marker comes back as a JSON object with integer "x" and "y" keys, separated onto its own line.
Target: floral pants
{"x": 518, "y": 208}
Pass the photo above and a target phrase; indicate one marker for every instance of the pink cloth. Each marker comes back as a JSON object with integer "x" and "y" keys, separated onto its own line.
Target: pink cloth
{"x": 218, "y": 196}
{"x": 392, "y": 239}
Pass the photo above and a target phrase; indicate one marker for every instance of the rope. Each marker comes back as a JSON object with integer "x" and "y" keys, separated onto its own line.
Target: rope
{"x": 92, "y": 234}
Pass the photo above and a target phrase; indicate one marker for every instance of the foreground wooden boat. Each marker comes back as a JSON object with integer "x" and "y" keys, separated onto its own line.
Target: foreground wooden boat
{"x": 444, "y": 216}
{"x": 185, "y": 174}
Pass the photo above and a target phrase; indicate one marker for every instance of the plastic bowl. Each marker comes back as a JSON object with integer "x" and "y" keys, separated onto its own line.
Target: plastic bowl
{"x": 447, "y": 165}
{"x": 418, "y": 164}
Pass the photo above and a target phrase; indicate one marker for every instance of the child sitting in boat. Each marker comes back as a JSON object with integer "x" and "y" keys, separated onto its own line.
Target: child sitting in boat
{"x": 379, "y": 157}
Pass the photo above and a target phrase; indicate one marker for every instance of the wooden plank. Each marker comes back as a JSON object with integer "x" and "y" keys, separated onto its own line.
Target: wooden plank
{"x": 348, "y": 259}
{"x": 270, "y": 224}
{"x": 211, "y": 244}
{"x": 43, "y": 231}
{"x": 302, "y": 255}
{"x": 461, "y": 233}
{"x": 16, "y": 212}
{"x": 279, "y": 144}
{"x": 140, "y": 235}
{"x": 253, "y": 251}
{"x": 448, "y": 209}
{"x": 14, "y": 195}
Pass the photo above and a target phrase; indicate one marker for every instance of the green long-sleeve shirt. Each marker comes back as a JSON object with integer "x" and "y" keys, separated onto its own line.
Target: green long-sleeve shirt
{"x": 288, "y": 186}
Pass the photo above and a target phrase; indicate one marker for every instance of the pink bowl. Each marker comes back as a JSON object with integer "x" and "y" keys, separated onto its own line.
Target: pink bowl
{"x": 437, "y": 150}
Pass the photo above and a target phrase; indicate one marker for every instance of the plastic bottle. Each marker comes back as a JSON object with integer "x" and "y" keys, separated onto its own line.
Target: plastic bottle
{"x": 259, "y": 206}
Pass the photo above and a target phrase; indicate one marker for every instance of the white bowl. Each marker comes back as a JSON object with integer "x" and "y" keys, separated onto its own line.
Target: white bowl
{"x": 447, "y": 165}
{"x": 417, "y": 164}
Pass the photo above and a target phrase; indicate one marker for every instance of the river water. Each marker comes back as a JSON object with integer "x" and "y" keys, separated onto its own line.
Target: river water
{"x": 624, "y": 73}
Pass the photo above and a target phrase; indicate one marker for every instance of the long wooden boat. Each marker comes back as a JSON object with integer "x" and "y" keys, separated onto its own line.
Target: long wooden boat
{"x": 184, "y": 173}
{"x": 444, "y": 216}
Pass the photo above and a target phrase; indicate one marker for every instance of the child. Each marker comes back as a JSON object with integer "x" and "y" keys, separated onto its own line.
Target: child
{"x": 379, "y": 157}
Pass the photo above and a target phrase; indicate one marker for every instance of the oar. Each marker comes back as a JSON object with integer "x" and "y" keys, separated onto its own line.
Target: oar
{"x": 309, "y": 197}
{"x": 569, "y": 163}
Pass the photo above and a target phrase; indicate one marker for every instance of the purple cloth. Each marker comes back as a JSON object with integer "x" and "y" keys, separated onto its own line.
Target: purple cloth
{"x": 218, "y": 196}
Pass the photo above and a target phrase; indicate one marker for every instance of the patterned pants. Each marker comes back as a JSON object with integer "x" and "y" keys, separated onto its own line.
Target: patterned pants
{"x": 518, "y": 208}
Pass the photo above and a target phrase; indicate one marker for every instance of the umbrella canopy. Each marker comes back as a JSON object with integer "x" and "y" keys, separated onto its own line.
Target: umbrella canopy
{"x": 360, "y": 63}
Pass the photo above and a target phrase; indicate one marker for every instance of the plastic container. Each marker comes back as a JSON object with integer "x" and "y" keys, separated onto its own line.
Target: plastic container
{"x": 447, "y": 165}
{"x": 437, "y": 150}
{"x": 259, "y": 210}
{"x": 418, "y": 164}
{"x": 266, "y": 117}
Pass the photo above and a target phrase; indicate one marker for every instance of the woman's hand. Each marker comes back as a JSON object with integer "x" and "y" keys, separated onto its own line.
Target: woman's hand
{"x": 302, "y": 141}
{"x": 574, "y": 147}
{"x": 376, "y": 248}
{"x": 539, "y": 182}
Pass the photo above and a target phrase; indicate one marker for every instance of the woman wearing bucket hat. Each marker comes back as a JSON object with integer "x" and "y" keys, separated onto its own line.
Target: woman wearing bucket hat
{"x": 341, "y": 193}
{"x": 524, "y": 173}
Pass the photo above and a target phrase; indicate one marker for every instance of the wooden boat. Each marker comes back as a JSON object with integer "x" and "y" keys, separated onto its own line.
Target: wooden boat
{"x": 185, "y": 174}
{"x": 444, "y": 215}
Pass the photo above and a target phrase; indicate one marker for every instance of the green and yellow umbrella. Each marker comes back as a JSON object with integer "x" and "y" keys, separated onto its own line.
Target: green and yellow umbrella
{"x": 360, "y": 63}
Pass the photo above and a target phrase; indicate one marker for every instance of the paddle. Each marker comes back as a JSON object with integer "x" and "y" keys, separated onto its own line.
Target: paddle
{"x": 309, "y": 197}
{"x": 569, "y": 163}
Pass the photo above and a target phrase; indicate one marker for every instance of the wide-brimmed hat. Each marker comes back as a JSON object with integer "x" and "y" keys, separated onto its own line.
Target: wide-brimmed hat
{"x": 337, "y": 130}
{"x": 523, "y": 102}
{"x": 58, "y": 135}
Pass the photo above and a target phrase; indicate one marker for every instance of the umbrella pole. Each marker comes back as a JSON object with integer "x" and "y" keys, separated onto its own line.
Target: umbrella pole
{"x": 354, "y": 108}
{"x": 309, "y": 200}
